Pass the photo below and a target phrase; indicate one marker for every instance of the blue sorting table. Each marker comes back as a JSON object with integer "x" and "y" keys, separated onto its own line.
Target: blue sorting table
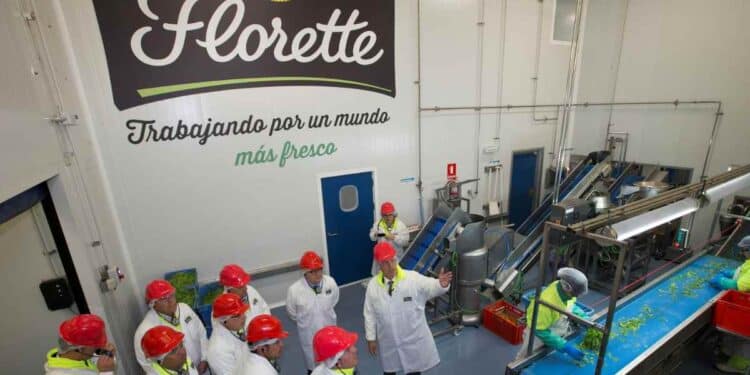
{"x": 660, "y": 308}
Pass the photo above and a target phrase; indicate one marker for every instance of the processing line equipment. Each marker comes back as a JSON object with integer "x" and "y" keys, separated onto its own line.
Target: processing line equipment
{"x": 578, "y": 183}
{"x": 665, "y": 312}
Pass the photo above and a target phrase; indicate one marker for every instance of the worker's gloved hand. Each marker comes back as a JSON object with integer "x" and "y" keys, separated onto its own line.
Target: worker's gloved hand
{"x": 728, "y": 273}
{"x": 723, "y": 283}
{"x": 716, "y": 281}
{"x": 572, "y": 351}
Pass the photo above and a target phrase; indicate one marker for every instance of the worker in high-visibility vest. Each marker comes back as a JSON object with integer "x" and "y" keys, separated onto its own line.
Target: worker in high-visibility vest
{"x": 551, "y": 326}
{"x": 335, "y": 350}
{"x": 164, "y": 350}
{"x": 738, "y": 279}
{"x": 82, "y": 348}
{"x": 389, "y": 229}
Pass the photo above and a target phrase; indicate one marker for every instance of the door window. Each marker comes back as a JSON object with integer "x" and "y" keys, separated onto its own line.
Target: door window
{"x": 348, "y": 198}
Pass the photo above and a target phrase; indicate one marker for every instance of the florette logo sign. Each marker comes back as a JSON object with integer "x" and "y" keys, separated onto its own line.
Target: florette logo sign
{"x": 165, "y": 49}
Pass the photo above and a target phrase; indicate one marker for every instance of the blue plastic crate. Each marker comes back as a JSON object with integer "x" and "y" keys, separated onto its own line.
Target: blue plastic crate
{"x": 526, "y": 299}
{"x": 182, "y": 278}
{"x": 204, "y": 312}
{"x": 208, "y": 292}
{"x": 188, "y": 295}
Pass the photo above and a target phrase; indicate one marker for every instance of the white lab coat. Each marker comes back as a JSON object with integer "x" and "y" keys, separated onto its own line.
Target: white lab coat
{"x": 399, "y": 325}
{"x": 71, "y": 371}
{"x": 253, "y": 364}
{"x": 323, "y": 370}
{"x": 196, "y": 341}
{"x": 399, "y": 243}
{"x": 311, "y": 311}
{"x": 191, "y": 370}
{"x": 224, "y": 350}
{"x": 257, "y": 305}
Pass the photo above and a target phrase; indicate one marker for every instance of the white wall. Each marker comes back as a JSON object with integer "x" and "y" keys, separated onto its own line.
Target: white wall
{"x": 179, "y": 201}
{"x": 671, "y": 49}
{"x": 451, "y": 76}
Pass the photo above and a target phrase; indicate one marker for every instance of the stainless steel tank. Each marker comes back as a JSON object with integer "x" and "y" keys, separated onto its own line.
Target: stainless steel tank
{"x": 472, "y": 270}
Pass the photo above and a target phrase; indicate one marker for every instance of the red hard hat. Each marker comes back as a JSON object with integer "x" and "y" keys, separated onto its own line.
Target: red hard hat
{"x": 332, "y": 340}
{"x": 265, "y": 327}
{"x": 384, "y": 251}
{"x": 158, "y": 289}
{"x": 160, "y": 340}
{"x": 84, "y": 330}
{"x": 387, "y": 208}
{"x": 229, "y": 304}
{"x": 311, "y": 261}
{"x": 233, "y": 276}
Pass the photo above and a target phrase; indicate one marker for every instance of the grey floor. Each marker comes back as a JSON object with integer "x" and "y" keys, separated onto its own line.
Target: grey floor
{"x": 475, "y": 350}
{"x": 472, "y": 351}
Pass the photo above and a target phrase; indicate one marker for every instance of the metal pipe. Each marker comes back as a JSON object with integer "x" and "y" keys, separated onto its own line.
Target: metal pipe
{"x": 568, "y": 100}
{"x": 543, "y": 275}
{"x": 617, "y": 66}
{"x": 480, "y": 63}
{"x": 418, "y": 82}
{"x": 611, "y": 308}
{"x": 676, "y": 103}
{"x": 715, "y": 130}
{"x": 501, "y": 69}
{"x": 535, "y": 77}
{"x": 745, "y": 218}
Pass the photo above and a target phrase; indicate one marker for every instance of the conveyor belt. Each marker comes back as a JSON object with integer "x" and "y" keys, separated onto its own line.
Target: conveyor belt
{"x": 662, "y": 307}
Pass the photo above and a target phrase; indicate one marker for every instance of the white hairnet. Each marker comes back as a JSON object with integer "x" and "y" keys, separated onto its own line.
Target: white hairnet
{"x": 573, "y": 281}
{"x": 331, "y": 362}
{"x": 744, "y": 242}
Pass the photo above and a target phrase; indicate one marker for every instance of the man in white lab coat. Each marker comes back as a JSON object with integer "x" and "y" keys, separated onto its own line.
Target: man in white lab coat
{"x": 228, "y": 340}
{"x": 395, "y": 322}
{"x": 82, "y": 348}
{"x": 264, "y": 339}
{"x": 389, "y": 229}
{"x": 235, "y": 280}
{"x": 310, "y": 302}
{"x": 165, "y": 352}
{"x": 335, "y": 350}
{"x": 165, "y": 310}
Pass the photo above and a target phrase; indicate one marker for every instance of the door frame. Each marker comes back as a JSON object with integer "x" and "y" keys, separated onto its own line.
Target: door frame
{"x": 337, "y": 173}
{"x": 537, "y": 173}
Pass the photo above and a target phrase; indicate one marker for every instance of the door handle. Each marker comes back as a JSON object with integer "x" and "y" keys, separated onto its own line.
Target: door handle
{"x": 331, "y": 234}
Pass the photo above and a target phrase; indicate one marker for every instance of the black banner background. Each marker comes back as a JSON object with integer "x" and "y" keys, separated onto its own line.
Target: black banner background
{"x": 119, "y": 19}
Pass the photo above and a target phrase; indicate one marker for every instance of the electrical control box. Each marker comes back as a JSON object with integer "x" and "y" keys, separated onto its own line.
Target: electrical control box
{"x": 56, "y": 294}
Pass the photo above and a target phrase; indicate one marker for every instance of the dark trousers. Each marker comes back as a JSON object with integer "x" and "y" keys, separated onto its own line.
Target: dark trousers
{"x": 393, "y": 373}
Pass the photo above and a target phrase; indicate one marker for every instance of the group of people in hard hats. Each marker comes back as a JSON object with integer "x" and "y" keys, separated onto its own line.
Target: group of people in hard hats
{"x": 247, "y": 339}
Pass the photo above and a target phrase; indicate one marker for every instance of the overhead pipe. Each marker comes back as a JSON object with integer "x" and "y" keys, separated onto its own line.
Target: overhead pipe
{"x": 480, "y": 63}
{"x": 535, "y": 77}
{"x": 568, "y": 100}
{"x": 501, "y": 68}
{"x": 418, "y": 82}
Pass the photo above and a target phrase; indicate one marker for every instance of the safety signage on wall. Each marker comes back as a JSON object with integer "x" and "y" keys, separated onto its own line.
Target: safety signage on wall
{"x": 451, "y": 172}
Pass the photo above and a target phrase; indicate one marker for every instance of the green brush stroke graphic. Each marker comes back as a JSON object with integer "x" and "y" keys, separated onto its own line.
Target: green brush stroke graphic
{"x": 168, "y": 89}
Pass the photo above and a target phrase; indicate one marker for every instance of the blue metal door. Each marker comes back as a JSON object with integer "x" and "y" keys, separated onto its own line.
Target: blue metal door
{"x": 348, "y": 208}
{"x": 523, "y": 186}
